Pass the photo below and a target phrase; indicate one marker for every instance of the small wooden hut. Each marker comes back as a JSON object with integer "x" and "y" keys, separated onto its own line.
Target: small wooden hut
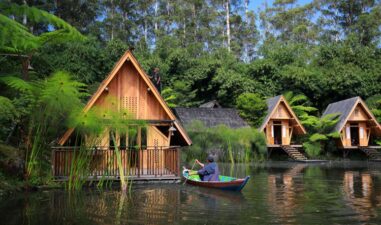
{"x": 357, "y": 125}
{"x": 280, "y": 123}
{"x": 280, "y": 126}
{"x": 152, "y": 151}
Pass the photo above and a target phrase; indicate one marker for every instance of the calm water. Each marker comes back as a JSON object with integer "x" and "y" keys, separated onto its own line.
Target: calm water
{"x": 277, "y": 193}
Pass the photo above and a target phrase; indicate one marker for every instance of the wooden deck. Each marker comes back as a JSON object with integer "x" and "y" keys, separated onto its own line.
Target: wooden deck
{"x": 152, "y": 163}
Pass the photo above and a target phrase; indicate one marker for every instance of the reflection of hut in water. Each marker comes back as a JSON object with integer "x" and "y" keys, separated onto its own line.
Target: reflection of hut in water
{"x": 282, "y": 192}
{"x": 159, "y": 204}
{"x": 360, "y": 194}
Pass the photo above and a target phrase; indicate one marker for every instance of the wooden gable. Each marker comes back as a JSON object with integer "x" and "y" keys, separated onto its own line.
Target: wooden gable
{"x": 282, "y": 110}
{"x": 134, "y": 91}
{"x": 361, "y": 113}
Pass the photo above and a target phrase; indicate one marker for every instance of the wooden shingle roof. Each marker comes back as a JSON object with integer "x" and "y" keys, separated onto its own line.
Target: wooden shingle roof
{"x": 345, "y": 109}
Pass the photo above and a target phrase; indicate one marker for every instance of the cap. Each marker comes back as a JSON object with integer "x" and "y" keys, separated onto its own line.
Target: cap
{"x": 210, "y": 158}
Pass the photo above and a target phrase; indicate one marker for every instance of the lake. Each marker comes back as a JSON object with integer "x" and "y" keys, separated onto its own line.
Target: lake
{"x": 277, "y": 193}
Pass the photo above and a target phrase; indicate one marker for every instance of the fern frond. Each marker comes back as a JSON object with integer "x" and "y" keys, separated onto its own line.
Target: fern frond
{"x": 17, "y": 84}
{"x": 318, "y": 137}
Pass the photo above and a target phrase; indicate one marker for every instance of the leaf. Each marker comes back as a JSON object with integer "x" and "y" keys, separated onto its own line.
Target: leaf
{"x": 318, "y": 137}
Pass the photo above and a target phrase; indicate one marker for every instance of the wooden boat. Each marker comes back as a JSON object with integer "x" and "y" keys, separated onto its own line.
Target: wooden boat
{"x": 224, "y": 183}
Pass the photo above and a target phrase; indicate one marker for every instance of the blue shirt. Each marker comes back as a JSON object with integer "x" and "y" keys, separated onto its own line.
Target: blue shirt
{"x": 210, "y": 172}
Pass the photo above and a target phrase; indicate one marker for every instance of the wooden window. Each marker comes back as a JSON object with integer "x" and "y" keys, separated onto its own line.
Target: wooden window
{"x": 143, "y": 136}
{"x": 123, "y": 141}
{"x": 348, "y": 132}
{"x": 131, "y": 105}
{"x": 361, "y": 132}
{"x": 112, "y": 138}
{"x": 133, "y": 137}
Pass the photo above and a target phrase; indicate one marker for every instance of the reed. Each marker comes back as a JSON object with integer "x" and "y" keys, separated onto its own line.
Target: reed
{"x": 230, "y": 145}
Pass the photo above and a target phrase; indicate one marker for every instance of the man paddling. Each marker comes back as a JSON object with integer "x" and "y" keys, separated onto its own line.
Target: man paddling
{"x": 208, "y": 172}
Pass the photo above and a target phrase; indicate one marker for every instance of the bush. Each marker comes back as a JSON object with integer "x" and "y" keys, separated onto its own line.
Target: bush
{"x": 252, "y": 108}
{"x": 229, "y": 145}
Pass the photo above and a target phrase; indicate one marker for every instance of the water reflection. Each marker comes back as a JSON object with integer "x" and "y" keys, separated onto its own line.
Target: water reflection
{"x": 360, "y": 194}
{"x": 282, "y": 193}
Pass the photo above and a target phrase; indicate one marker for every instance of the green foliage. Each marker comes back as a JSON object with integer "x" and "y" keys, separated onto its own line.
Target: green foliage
{"x": 230, "y": 145}
{"x": 374, "y": 104}
{"x": 16, "y": 38}
{"x": 252, "y": 108}
{"x": 320, "y": 132}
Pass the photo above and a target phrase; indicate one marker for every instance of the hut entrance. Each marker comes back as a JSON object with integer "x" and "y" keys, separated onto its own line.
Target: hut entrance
{"x": 277, "y": 126}
{"x": 354, "y": 131}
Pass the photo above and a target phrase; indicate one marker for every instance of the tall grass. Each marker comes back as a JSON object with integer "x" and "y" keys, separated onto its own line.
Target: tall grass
{"x": 94, "y": 125}
{"x": 229, "y": 145}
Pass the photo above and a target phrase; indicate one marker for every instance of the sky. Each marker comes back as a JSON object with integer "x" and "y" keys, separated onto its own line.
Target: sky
{"x": 255, "y": 4}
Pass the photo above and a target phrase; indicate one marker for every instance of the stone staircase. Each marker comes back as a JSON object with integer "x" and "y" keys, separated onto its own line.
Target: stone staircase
{"x": 372, "y": 153}
{"x": 294, "y": 153}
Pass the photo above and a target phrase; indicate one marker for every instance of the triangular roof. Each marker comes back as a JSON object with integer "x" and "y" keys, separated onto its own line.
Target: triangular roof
{"x": 345, "y": 109}
{"x": 128, "y": 56}
{"x": 272, "y": 105}
{"x": 211, "y": 117}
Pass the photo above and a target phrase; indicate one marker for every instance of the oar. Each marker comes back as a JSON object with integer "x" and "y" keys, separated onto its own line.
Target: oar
{"x": 186, "y": 178}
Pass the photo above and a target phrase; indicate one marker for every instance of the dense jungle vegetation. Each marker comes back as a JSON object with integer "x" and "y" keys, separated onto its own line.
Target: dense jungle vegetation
{"x": 53, "y": 54}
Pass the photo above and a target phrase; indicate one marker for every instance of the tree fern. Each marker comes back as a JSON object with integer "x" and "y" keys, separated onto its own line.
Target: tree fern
{"x": 16, "y": 38}
{"x": 299, "y": 104}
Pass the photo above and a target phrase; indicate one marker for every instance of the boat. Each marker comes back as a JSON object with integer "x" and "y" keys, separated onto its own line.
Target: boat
{"x": 224, "y": 183}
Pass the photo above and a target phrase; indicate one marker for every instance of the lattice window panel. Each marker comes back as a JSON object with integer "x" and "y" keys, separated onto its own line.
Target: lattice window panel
{"x": 131, "y": 105}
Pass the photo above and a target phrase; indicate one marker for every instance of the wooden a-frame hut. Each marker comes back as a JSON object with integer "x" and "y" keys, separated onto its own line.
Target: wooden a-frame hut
{"x": 357, "y": 125}
{"x": 155, "y": 150}
{"x": 280, "y": 126}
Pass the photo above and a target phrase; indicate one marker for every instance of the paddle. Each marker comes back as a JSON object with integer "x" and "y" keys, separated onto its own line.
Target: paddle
{"x": 188, "y": 173}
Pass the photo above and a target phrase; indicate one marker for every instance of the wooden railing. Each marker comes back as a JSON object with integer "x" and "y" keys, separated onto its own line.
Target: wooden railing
{"x": 102, "y": 162}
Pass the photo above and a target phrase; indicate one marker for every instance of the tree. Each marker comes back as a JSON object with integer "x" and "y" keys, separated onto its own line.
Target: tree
{"x": 252, "y": 108}
{"x": 17, "y": 41}
{"x": 320, "y": 132}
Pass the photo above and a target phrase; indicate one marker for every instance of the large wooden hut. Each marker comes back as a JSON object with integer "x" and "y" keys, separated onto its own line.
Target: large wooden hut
{"x": 280, "y": 126}
{"x": 152, "y": 151}
{"x": 357, "y": 125}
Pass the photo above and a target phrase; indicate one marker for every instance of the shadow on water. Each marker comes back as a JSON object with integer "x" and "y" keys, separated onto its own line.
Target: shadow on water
{"x": 277, "y": 193}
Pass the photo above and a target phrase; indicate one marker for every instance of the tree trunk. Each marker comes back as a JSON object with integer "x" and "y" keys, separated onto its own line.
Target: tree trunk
{"x": 112, "y": 20}
{"x": 24, "y": 19}
{"x": 156, "y": 12}
{"x": 145, "y": 27}
{"x": 25, "y": 62}
{"x": 227, "y": 5}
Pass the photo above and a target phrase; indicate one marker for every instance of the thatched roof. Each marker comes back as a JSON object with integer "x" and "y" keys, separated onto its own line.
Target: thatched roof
{"x": 345, "y": 109}
{"x": 211, "y": 104}
{"x": 211, "y": 117}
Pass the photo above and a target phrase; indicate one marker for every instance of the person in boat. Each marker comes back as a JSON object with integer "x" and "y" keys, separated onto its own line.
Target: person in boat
{"x": 208, "y": 172}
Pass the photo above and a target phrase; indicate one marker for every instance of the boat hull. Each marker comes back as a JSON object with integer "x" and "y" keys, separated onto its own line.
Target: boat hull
{"x": 234, "y": 185}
